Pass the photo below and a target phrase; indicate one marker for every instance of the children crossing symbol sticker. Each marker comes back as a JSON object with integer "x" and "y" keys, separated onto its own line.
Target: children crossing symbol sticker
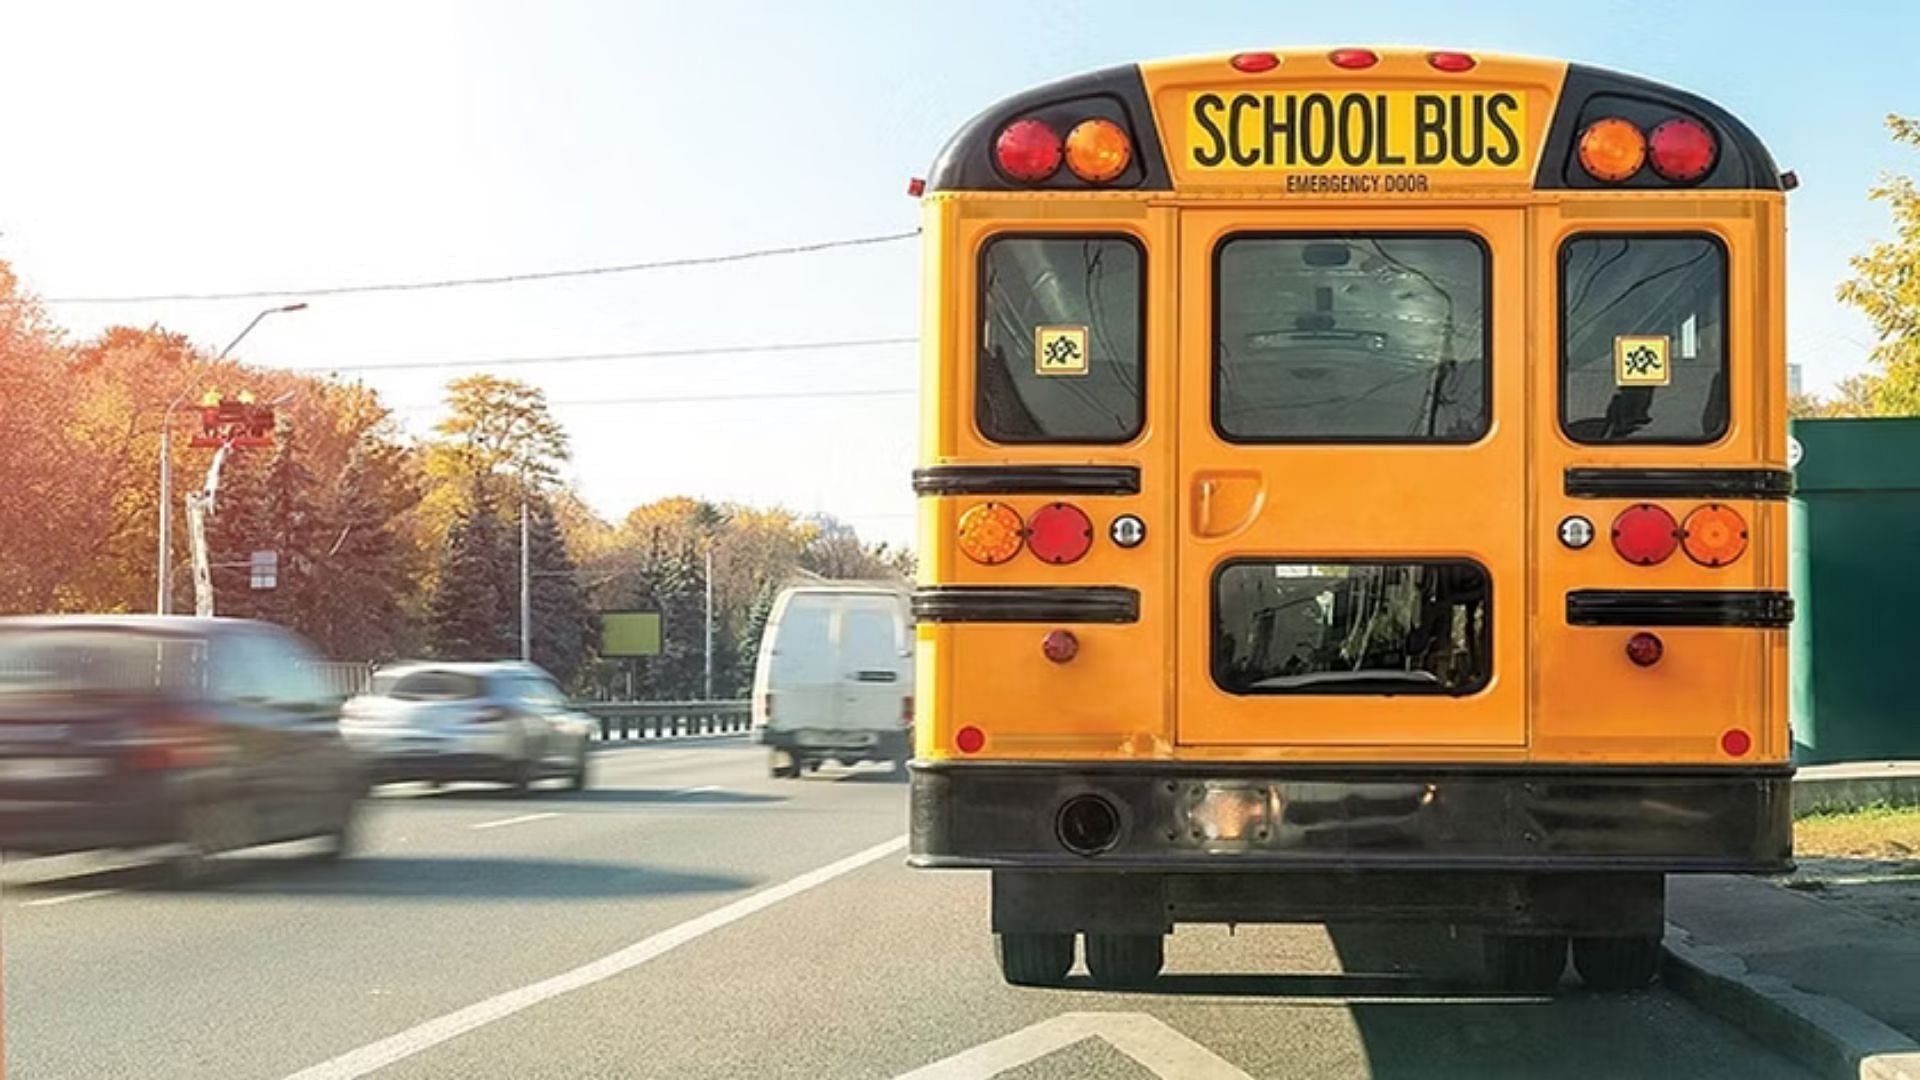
{"x": 1060, "y": 350}
{"x": 1641, "y": 360}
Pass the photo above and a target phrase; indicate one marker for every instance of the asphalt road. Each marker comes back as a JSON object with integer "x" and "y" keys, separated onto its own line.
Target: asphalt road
{"x": 690, "y": 917}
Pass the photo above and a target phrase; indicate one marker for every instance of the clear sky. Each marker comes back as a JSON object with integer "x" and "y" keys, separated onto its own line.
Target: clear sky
{"x": 179, "y": 147}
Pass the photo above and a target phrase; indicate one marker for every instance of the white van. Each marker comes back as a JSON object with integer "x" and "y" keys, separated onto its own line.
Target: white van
{"x": 834, "y": 680}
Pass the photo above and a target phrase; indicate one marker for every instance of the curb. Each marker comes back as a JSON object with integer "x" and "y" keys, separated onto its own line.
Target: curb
{"x": 1830, "y": 789}
{"x": 1829, "y": 1036}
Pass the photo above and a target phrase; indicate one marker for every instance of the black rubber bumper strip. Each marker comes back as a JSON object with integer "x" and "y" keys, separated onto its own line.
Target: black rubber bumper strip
{"x": 1020, "y": 604}
{"x": 1768, "y": 609}
{"x": 1027, "y": 480}
{"x": 1590, "y": 483}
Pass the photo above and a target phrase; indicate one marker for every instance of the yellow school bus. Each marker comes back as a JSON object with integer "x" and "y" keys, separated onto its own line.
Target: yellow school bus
{"x": 1352, "y": 488}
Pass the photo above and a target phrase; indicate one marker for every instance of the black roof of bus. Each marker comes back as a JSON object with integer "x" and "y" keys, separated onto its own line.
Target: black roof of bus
{"x": 1120, "y": 94}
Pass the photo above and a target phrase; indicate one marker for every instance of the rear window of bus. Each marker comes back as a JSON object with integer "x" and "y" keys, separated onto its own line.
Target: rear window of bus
{"x": 1643, "y": 340}
{"x": 1351, "y": 338}
{"x": 1060, "y": 339}
{"x": 1352, "y": 627}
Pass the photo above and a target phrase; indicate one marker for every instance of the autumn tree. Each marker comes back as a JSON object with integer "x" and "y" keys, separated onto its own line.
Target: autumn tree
{"x": 1886, "y": 288}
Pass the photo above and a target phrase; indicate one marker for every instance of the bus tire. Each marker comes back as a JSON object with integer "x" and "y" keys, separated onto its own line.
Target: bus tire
{"x": 1125, "y": 960}
{"x": 1526, "y": 963}
{"x": 1617, "y": 964}
{"x": 1034, "y": 959}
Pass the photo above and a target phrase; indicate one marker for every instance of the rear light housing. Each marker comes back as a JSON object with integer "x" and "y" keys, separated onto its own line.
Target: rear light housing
{"x": 1714, "y": 535}
{"x": 1682, "y": 151}
{"x": 991, "y": 533}
{"x": 1612, "y": 150}
{"x": 1735, "y": 743}
{"x": 1098, "y": 150}
{"x": 1028, "y": 150}
{"x": 1060, "y": 533}
{"x": 1645, "y": 534}
{"x": 906, "y": 711}
{"x": 169, "y": 742}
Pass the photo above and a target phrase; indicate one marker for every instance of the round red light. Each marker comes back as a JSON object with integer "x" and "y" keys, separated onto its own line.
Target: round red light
{"x": 1060, "y": 646}
{"x": 1028, "y": 150}
{"x": 1253, "y": 63}
{"x": 1059, "y": 533}
{"x": 1450, "y": 61}
{"x": 1353, "y": 59}
{"x": 1736, "y": 742}
{"x": 970, "y": 740}
{"x": 1645, "y": 649}
{"x": 1682, "y": 151}
{"x": 1645, "y": 534}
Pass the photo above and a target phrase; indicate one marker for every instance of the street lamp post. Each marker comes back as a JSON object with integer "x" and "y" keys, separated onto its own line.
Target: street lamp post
{"x": 163, "y": 599}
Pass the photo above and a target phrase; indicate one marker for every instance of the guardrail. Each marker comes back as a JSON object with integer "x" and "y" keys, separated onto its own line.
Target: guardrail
{"x": 630, "y": 720}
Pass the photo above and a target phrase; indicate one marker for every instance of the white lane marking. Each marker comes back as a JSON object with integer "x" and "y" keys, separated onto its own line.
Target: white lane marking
{"x": 425, "y": 1036}
{"x": 68, "y": 898}
{"x": 701, "y": 790}
{"x": 1159, "y": 1048}
{"x": 523, "y": 818}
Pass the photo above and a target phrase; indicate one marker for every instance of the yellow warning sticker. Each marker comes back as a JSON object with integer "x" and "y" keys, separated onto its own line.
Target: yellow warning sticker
{"x": 1059, "y": 350}
{"x": 1641, "y": 360}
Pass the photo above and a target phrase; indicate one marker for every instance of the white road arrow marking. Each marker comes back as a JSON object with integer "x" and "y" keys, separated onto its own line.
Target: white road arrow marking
{"x": 1146, "y": 1039}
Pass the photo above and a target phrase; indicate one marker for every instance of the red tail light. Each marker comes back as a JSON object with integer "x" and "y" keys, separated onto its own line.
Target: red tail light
{"x": 1645, "y": 649}
{"x": 1060, "y": 533}
{"x": 169, "y": 742}
{"x": 1353, "y": 59}
{"x": 1645, "y": 534}
{"x": 1060, "y": 646}
{"x": 1450, "y": 61}
{"x": 1682, "y": 151}
{"x": 906, "y": 711}
{"x": 1735, "y": 742}
{"x": 1028, "y": 150}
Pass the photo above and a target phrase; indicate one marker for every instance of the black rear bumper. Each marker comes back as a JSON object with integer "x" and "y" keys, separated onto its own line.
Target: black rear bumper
{"x": 1529, "y": 818}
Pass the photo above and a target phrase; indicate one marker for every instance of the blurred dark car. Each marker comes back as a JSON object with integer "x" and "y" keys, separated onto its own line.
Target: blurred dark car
{"x": 203, "y": 735}
{"x": 503, "y": 721}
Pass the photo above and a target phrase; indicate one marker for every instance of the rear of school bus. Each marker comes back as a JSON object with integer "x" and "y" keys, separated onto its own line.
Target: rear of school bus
{"x": 1351, "y": 489}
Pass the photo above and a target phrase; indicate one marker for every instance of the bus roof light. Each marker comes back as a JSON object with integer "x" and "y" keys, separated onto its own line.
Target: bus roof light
{"x": 1453, "y": 62}
{"x": 991, "y": 533}
{"x": 1645, "y": 649}
{"x": 917, "y": 187}
{"x": 1714, "y": 535}
{"x": 1098, "y": 150}
{"x": 1612, "y": 149}
{"x": 1253, "y": 63}
{"x": 1682, "y": 151}
{"x": 1028, "y": 150}
{"x": 1353, "y": 59}
{"x": 1645, "y": 534}
{"x": 1060, "y": 533}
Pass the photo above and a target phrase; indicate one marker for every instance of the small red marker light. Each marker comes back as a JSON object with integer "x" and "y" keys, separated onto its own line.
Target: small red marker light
{"x": 1681, "y": 151}
{"x": 1028, "y": 150}
{"x": 1645, "y": 649}
{"x": 970, "y": 740}
{"x": 1450, "y": 61}
{"x": 1736, "y": 742}
{"x": 916, "y": 187}
{"x": 1060, "y": 646}
{"x": 1253, "y": 63}
{"x": 1353, "y": 59}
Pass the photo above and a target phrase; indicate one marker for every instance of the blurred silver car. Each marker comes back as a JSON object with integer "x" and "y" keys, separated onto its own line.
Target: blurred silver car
{"x": 506, "y": 722}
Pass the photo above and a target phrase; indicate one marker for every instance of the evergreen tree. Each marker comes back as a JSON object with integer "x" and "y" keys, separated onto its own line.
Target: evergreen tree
{"x": 465, "y": 616}
{"x": 365, "y": 568}
{"x": 565, "y": 629}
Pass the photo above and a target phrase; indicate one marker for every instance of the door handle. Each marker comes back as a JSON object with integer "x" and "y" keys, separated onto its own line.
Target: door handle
{"x": 1204, "y": 510}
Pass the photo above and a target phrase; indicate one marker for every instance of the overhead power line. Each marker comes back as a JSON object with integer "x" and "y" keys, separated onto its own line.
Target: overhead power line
{"x": 496, "y": 279}
{"x": 634, "y": 354}
{"x": 771, "y": 395}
